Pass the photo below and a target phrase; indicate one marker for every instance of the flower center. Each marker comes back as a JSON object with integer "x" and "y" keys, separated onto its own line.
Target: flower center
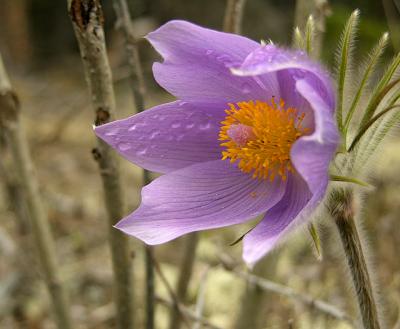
{"x": 260, "y": 135}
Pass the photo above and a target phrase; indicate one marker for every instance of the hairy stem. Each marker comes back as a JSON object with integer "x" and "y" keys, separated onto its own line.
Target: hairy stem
{"x": 342, "y": 210}
{"x": 185, "y": 273}
{"x": 87, "y": 20}
{"x": 139, "y": 92}
{"x": 132, "y": 54}
{"x": 233, "y": 16}
{"x": 10, "y": 121}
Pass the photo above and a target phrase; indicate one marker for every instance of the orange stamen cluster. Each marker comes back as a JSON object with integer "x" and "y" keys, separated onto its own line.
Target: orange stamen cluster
{"x": 260, "y": 135}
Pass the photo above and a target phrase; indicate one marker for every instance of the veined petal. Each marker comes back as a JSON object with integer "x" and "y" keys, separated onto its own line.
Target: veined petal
{"x": 203, "y": 196}
{"x": 293, "y": 210}
{"x": 167, "y": 137}
{"x": 197, "y": 63}
{"x": 312, "y": 154}
{"x": 289, "y": 66}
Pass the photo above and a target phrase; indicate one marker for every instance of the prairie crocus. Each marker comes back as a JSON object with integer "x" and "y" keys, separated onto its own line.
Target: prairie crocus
{"x": 252, "y": 133}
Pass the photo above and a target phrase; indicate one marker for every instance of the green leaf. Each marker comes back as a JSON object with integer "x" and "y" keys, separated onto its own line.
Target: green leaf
{"x": 309, "y": 35}
{"x": 316, "y": 240}
{"x": 345, "y": 179}
{"x": 373, "y": 60}
{"x": 383, "y": 87}
{"x": 298, "y": 39}
{"x": 344, "y": 59}
{"x": 364, "y": 129}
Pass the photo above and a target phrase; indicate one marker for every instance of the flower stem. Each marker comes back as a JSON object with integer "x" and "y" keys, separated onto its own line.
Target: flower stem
{"x": 185, "y": 274}
{"x": 87, "y": 20}
{"x": 233, "y": 16}
{"x": 343, "y": 214}
{"x": 10, "y": 121}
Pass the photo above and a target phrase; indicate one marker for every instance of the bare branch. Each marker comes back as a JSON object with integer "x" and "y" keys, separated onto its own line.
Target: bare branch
{"x": 87, "y": 20}
{"x": 16, "y": 139}
{"x": 233, "y": 16}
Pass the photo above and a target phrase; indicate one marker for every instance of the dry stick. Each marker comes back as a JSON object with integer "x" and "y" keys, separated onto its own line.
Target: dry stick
{"x": 132, "y": 54}
{"x": 343, "y": 212}
{"x": 10, "y": 121}
{"x": 201, "y": 294}
{"x": 185, "y": 273}
{"x": 392, "y": 13}
{"x": 188, "y": 313}
{"x": 268, "y": 285}
{"x": 138, "y": 90}
{"x": 233, "y": 16}
{"x": 87, "y": 20}
{"x": 171, "y": 292}
{"x": 252, "y": 308}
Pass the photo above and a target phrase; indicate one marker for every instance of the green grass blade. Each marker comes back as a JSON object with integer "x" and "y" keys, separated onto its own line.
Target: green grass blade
{"x": 373, "y": 60}
{"x": 344, "y": 59}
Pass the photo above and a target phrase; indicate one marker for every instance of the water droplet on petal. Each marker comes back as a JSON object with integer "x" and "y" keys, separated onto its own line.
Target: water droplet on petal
{"x": 112, "y": 132}
{"x": 209, "y": 52}
{"x": 205, "y": 126}
{"x": 123, "y": 146}
{"x": 182, "y": 103}
{"x": 132, "y": 128}
{"x": 246, "y": 88}
{"x": 141, "y": 151}
{"x": 175, "y": 124}
{"x": 180, "y": 137}
{"x": 154, "y": 134}
{"x": 190, "y": 125}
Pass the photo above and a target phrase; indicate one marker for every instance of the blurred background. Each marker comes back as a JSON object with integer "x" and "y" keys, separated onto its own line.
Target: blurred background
{"x": 41, "y": 55}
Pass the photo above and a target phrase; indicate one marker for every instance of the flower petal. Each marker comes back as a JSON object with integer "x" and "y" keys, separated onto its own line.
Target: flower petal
{"x": 197, "y": 61}
{"x": 167, "y": 137}
{"x": 289, "y": 66}
{"x": 203, "y": 196}
{"x": 294, "y": 208}
{"x": 312, "y": 154}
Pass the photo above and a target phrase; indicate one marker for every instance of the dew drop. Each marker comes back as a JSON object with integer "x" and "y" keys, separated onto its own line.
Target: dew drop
{"x": 209, "y": 52}
{"x": 190, "y": 125}
{"x": 182, "y": 103}
{"x": 175, "y": 124}
{"x": 141, "y": 151}
{"x": 132, "y": 128}
{"x": 112, "y": 132}
{"x": 205, "y": 126}
{"x": 246, "y": 88}
{"x": 180, "y": 137}
{"x": 124, "y": 146}
{"x": 154, "y": 134}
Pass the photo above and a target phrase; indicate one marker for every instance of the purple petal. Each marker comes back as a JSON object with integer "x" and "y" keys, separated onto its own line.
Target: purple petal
{"x": 167, "y": 137}
{"x": 197, "y": 63}
{"x": 203, "y": 196}
{"x": 312, "y": 154}
{"x": 293, "y": 210}
{"x": 289, "y": 66}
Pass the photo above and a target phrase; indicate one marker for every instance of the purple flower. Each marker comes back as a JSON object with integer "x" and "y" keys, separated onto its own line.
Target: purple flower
{"x": 253, "y": 132}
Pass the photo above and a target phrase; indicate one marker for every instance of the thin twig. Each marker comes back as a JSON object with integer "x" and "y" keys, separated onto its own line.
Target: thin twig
{"x": 201, "y": 294}
{"x": 233, "y": 16}
{"x": 188, "y": 313}
{"x": 138, "y": 91}
{"x": 171, "y": 292}
{"x": 308, "y": 300}
{"x": 132, "y": 53}
{"x": 10, "y": 121}
{"x": 87, "y": 20}
{"x": 150, "y": 295}
{"x": 185, "y": 273}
